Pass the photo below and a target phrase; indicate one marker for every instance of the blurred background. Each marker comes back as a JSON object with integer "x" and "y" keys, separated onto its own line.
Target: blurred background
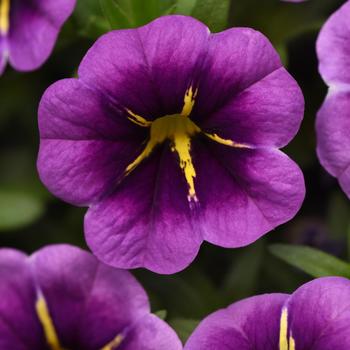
{"x": 30, "y": 217}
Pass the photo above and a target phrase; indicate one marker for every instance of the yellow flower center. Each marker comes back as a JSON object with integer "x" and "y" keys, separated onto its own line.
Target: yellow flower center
{"x": 51, "y": 336}
{"x": 4, "y": 16}
{"x": 179, "y": 129}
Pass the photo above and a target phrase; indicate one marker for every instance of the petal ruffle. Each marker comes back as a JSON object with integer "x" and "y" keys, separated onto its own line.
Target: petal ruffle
{"x": 333, "y": 142}
{"x": 236, "y": 59}
{"x": 147, "y": 222}
{"x": 249, "y": 324}
{"x": 319, "y": 314}
{"x": 90, "y": 303}
{"x": 34, "y": 27}
{"x": 86, "y": 144}
{"x": 333, "y": 48}
{"x": 148, "y": 69}
{"x": 267, "y": 113}
{"x": 245, "y": 193}
{"x": 19, "y": 326}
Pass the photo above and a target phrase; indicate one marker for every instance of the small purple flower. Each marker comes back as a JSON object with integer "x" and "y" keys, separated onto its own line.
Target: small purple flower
{"x": 316, "y": 316}
{"x": 63, "y": 298}
{"x": 333, "y": 120}
{"x": 170, "y": 135}
{"x": 28, "y": 30}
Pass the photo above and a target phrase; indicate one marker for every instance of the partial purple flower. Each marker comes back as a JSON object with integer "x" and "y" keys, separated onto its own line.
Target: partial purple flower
{"x": 170, "y": 135}
{"x": 333, "y": 120}
{"x": 29, "y": 29}
{"x": 61, "y": 297}
{"x": 316, "y": 316}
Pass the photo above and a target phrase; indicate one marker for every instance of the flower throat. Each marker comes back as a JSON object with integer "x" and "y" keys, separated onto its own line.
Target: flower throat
{"x": 179, "y": 129}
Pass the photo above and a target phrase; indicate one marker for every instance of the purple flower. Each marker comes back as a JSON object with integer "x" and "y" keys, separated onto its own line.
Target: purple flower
{"x": 170, "y": 135}
{"x": 63, "y": 298}
{"x": 316, "y": 316}
{"x": 28, "y": 30}
{"x": 333, "y": 120}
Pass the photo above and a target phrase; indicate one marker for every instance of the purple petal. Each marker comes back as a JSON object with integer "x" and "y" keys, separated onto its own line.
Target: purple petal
{"x": 236, "y": 59}
{"x": 245, "y": 193}
{"x": 147, "y": 221}
{"x": 19, "y": 326}
{"x": 148, "y": 69}
{"x": 90, "y": 303}
{"x": 333, "y": 47}
{"x": 267, "y": 113}
{"x": 3, "y": 54}
{"x": 34, "y": 27}
{"x": 252, "y": 323}
{"x": 151, "y": 333}
{"x": 86, "y": 144}
{"x": 319, "y": 314}
{"x": 333, "y": 142}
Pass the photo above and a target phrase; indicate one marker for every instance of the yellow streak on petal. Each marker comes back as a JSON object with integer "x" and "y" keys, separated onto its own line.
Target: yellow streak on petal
{"x": 182, "y": 145}
{"x": 4, "y": 16}
{"x": 291, "y": 343}
{"x": 189, "y": 101}
{"x": 178, "y": 130}
{"x": 226, "y": 142}
{"x": 283, "y": 340}
{"x": 47, "y": 324}
{"x": 138, "y": 119}
{"x": 145, "y": 153}
{"x": 114, "y": 343}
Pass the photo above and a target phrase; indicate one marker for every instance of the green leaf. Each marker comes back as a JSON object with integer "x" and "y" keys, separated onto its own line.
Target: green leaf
{"x": 115, "y": 15}
{"x": 89, "y": 19}
{"x": 183, "y": 327}
{"x": 18, "y": 209}
{"x": 161, "y": 314}
{"x": 310, "y": 260}
{"x": 185, "y": 7}
{"x": 213, "y": 13}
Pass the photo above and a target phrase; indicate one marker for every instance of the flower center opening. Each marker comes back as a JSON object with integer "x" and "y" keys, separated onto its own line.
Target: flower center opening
{"x": 50, "y": 332}
{"x": 178, "y": 129}
{"x": 4, "y": 16}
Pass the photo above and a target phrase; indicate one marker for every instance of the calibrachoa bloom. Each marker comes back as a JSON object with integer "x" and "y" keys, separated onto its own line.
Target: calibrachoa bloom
{"x": 171, "y": 135}
{"x": 63, "y": 298}
{"x": 316, "y": 316}
{"x": 28, "y": 30}
{"x": 333, "y": 120}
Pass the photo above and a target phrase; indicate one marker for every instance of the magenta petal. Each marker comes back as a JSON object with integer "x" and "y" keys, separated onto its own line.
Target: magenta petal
{"x": 245, "y": 193}
{"x": 19, "y": 327}
{"x": 85, "y": 147}
{"x": 90, "y": 303}
{"x": 319, "y": 314}
{"x": 34, "y": 27}
{"x": 236, "y": 59}
{"x": 333, "y": 143}
{"x": 267, "y": 113}
{"x": 252, "y": 323}
{"x": 151, "y": 333}
{"x": 147, "y": 221}
{"x": 147, "y": 69}
{"x": 333, "y": 47}
{"x": 3, "y": 54}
